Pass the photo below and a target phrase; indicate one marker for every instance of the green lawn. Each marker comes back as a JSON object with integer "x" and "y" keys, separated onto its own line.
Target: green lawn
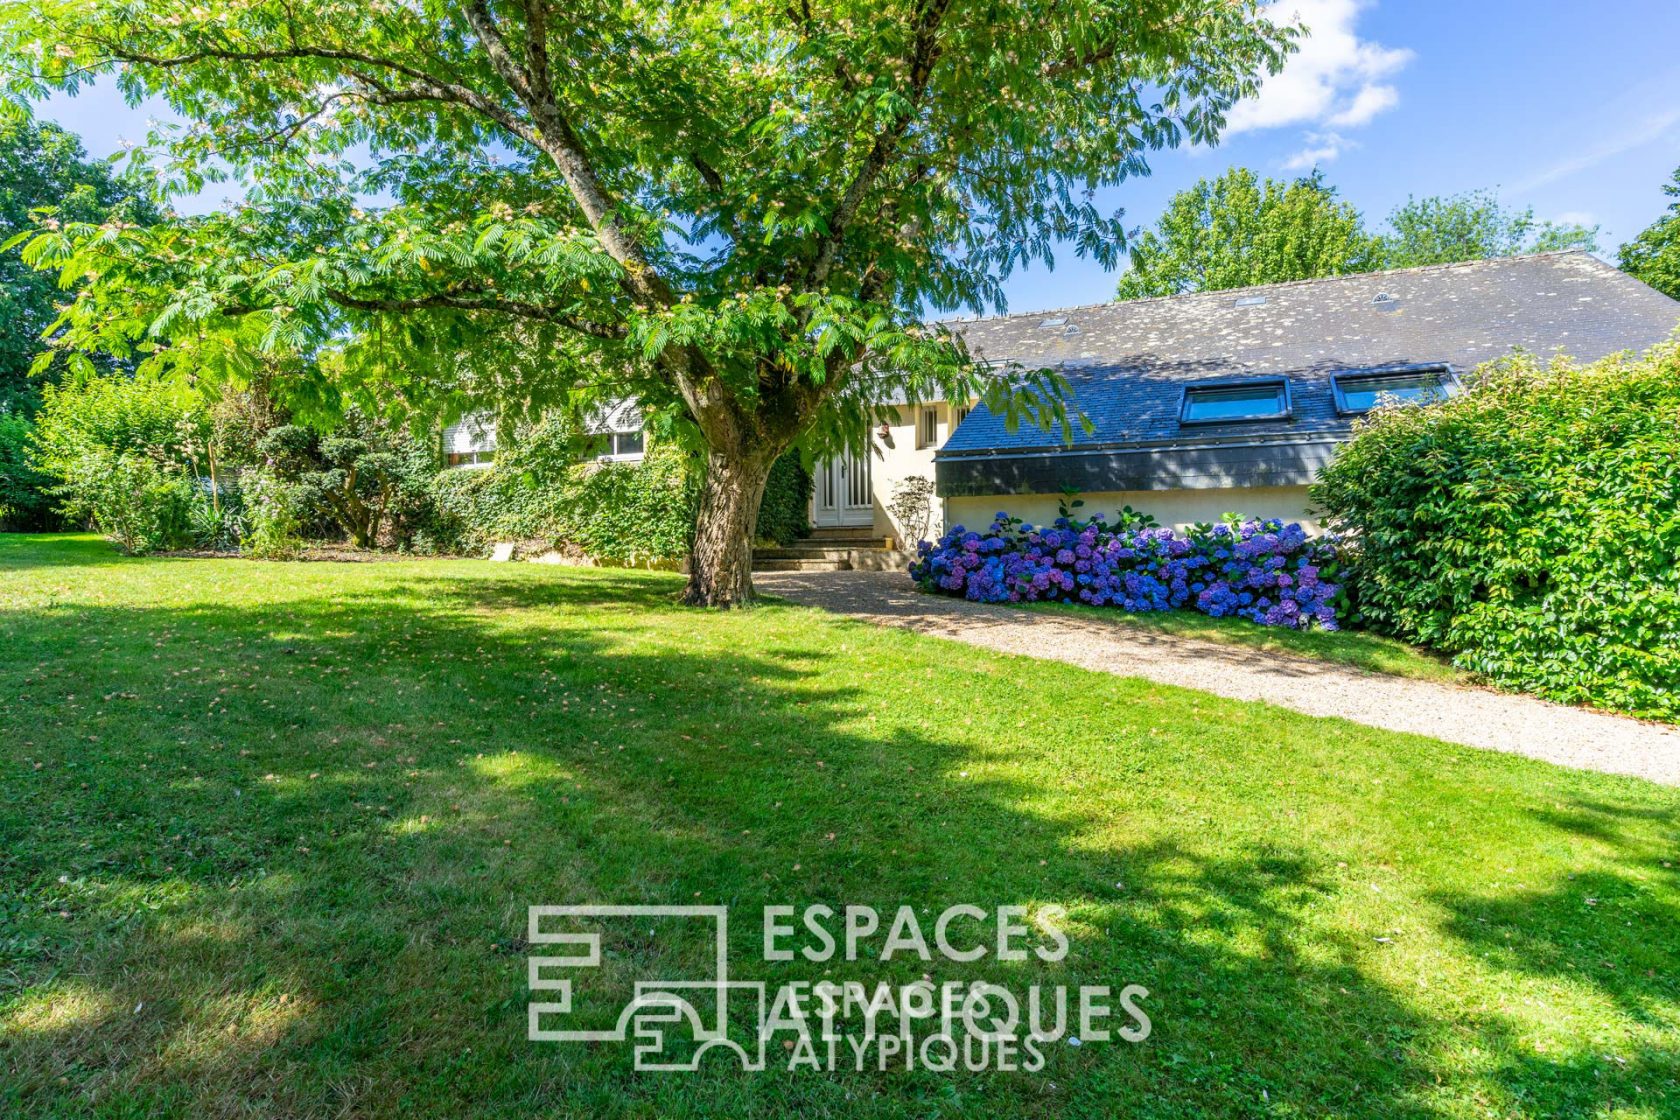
{"x": 268, "y": 834}
{"x": 1356, "y": 649}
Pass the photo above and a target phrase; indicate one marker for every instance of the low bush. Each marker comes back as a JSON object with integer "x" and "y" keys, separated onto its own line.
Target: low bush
{"x": 141, "y": 505}
{"x": 1265, "y": 571}
{"x": 1529, "y": 527}
{"x": 273, "y": 514}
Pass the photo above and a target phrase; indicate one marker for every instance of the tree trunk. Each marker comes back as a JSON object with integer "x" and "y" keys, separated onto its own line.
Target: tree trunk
{"x": 720, "y": 564}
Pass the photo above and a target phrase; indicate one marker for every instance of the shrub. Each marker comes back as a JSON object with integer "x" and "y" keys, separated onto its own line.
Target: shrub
{"x": 1260, "y": 570}
{"x": 1528, "y": 527}
{"x": 141, "y": 505}
{"x": 273, "y": 516}
{"x": 628, "y": 513}
{"x": 785, "y": 515}
{"x": 25, "y": 503}
{"x": 117, "y": 414}
{"x": 370, "y": 481}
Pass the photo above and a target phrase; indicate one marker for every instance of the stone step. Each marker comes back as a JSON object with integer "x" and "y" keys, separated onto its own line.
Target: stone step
{"x": 782, "y": 565}
{"x": 845, "y": 532}
{"x": 804, "y": 550}
{"x": 840, "y": 542}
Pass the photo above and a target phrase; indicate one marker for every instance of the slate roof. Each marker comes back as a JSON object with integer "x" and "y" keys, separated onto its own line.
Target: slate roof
{"x": 1127, "y": 363}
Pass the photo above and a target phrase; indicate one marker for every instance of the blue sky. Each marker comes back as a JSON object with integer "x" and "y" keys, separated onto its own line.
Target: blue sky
{"x": 1570, "y": 107}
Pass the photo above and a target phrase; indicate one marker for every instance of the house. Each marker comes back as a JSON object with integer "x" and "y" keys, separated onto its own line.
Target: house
{"x": 1231, "y": 401}
{"x": 1213, "y": 402}
{"x": 615, "y": 431}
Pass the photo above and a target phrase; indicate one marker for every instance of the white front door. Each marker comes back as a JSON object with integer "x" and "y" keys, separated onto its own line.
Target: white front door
{"x": 842, "y": 496}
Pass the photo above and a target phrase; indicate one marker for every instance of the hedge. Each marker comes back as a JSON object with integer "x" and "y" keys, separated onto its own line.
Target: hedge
{"x": 627, "y": 513}
{"x": 1529, "y": 526}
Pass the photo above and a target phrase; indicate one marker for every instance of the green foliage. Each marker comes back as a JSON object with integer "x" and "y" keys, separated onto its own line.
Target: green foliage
{"x": 785, "y": 514}
{"x": 42, "y": 165}
{"x": 1654, "y": 256}
{"x": 121, "y": 452}
{"x": 25, "y": 503}
{"x": 738, "y": 213}
{"x": 273, "y": 516}
{"x": 1236, "y": 231}
{"x": 371, "y": 480}
{"x": 120, "y": 415}
{"x": 622, "y": 513}
{"x": 1529, "y": 526}
{"x": 142, "y": 505}
{"x": 633, "y": 513}
{"x": 1470, "y": 227}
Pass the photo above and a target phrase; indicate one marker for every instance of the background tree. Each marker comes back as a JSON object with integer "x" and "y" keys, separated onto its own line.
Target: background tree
{"x": 1237, "y": 230}
{"x": 738, "y": 211}
{"x": 366, "y": 478}
{"x": 1446, "y": 229}
{"x": 40, "y": 165}
{"x": 1654, "y": 256}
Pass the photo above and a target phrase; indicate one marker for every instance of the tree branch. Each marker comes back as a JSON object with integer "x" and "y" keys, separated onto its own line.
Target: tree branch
{"x": 464, "y": 302}
{"x": 924, "y": 53}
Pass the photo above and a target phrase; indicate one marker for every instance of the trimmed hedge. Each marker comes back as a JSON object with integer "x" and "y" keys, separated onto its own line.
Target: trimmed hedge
{"x": 1529, "y": 526}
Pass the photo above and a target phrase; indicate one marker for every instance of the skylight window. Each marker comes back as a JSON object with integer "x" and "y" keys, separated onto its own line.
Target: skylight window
{"x": 1250, "y": 301}
{"x": 1364, "y": 390}
{"x": 1228, "y": 402}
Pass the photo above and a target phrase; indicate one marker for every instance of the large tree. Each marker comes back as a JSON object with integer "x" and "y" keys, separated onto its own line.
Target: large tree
{"x": 1446, "y": 229}
{"x": 739, "y": 210}
{"x": 40, "y": 165}
{"x": 1238, "y": 230}
{"x": 1654, "y": 256}
{"x": 43, "y": 165}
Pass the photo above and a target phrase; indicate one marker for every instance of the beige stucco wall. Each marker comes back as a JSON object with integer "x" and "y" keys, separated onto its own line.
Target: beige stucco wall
{"x": 897, "y": 457}
{"x": 1174, "y": 508}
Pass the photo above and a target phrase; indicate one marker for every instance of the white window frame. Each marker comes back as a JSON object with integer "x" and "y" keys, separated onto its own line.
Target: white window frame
{"x": 927, "y": 428}
{"x": 614, "y": 455}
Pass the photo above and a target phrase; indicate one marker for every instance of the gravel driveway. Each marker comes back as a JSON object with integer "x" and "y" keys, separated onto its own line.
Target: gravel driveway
{"x": 1473, "y": 717}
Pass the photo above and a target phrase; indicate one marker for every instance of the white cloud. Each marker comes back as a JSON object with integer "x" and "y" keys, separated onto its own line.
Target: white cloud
{"x": 1367, "y": 103}
{"x": 1336, "y": 80}
{"x": 1322, "y": 147}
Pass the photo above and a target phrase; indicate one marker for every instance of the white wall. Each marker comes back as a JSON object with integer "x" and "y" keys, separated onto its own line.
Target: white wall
{"x": 1173, "y": 508}
{"x": 898, "y": 457}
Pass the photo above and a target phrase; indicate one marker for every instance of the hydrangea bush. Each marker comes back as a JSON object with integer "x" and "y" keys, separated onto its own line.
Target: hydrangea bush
{"x": 1265, "y": 571}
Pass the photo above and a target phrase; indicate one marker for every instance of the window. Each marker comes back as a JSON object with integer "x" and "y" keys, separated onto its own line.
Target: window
{"x": 1361, "y": 392}
{"x": 927, "y": 434}
{"x": 1221, "y": 404}
{"x": 621, "y": 445}
{"x": 470, "y": 458}
{"x": 960, "y": 415}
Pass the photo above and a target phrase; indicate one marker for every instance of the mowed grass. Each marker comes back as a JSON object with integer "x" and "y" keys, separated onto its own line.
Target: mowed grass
{"x": 1354, "y": 649}
{"x": 268, "y": 834}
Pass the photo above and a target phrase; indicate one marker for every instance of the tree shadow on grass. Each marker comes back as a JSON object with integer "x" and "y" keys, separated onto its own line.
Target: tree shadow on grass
{"x": 19, "y": 551}
{"x": 278, "y": 859}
